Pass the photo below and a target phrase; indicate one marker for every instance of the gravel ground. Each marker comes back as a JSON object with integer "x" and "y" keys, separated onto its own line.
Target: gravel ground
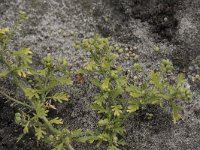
{"x": 139, "y": 27}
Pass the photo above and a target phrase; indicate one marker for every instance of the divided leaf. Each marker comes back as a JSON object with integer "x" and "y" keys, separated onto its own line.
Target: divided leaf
{"x": 175, "y": 113}
{"x": 105, "y": 84}
{"x": 39, "y": 132}
{"x": 59, "y": 97}
{"x": 30, "y": 93}
{"x": 133, "y": 106}
{"x": 117, "y": 109}
{"x": 56, "y": 121}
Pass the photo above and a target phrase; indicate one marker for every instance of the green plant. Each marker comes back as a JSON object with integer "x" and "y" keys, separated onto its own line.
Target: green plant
{"x": 37, "y": 85}
{"x": 159, "y": 90}
{"x": 108, "y": 102}
{"x": 118, "y": 98}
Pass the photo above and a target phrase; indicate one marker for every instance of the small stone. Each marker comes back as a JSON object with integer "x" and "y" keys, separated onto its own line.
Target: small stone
{"x": 64, "y": 34}
{"x": 191, "y": 68}
{"x": 120, "y": 50}
{"x": 116, "y": 45}
{"x": 82, "y": 57}
{"x": 133, "y": 55}
{"x": 88, "y": 53}
{"x": 127, "y": 54}
{"x": 135, "y": 77}
{"x": 126, "y": 49}
{"x": 126, "y": 57}
{"x": 71, "y": 32}
{"x": 136, "y": 57}
{"x": 60, "y": 31}
{"x": 134, "y": 48}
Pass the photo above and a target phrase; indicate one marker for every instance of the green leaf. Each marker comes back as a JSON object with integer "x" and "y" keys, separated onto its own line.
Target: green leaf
{"x": 105, "y": 84}
{"x": 23, "y": 15}
{"x": 106, "y": 65}
{"x": 119, "y": 130}
{"x": 90, "y": 66}
{"x": 100, "y": 99}
{"x": 166, "y": 66}
{"x": 103, "y": 122}
{"x": 121, "y": 81}
{"x": 121, "y": 142}
{"x": 56, "y": 121}
{"x": 59, "y": 147}
{"x": 112, "y": 147}
{"x": 90, "y": 137}
{"x": 4, "y": 73}
{"x": 137, "y": 94}
{"x": 42, "y": 72}
{"x": 137, "y": 67}
{"x": 96, "y": 82}
{"x": 25, "y": 55}
{"x": 156, "y": 80}
{"x": 64, "y": 80}
{"x": 40, "y": 109}
{"x": 99, "y": 108}
{"x": 103, "y": 137}
{"x": 117, "y": 109}
{"x": 4, "y": 30}
{"x": 133, "y": 106}
{"x": 175, "y": 113}
{"x": 20, "y": 137}
{"x": 77, "y": 133}
{"x": 39, "y": 133}
{"x": 59, "y": 97}
{"x": 152, "y": 100}
{"x": 26, "y": 127}
{"x": 181, "y": 79}
{"x": 116, "y": 92}
{"x": 30, "y": 93}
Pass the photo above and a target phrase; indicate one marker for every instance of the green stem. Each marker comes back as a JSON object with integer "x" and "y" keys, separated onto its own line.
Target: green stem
{"x": 54, "y": 131}
{"x": 49, "y": 126}
{"x": 98, "y": 63}
{"x": 15, "y": 100}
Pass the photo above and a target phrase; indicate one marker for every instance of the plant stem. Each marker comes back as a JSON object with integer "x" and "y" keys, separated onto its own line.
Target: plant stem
{"x": 54, "y": 131}
{"x": 49, "y": 125}
{"x": 15, "y": 100}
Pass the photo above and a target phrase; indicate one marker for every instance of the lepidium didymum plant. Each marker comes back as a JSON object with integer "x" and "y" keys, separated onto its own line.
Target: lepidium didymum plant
{"x": 37, "y": 84}
{"x": 108, "y": 103}
{"x": 160, "y": 90}
{"x": 119, "y": 97}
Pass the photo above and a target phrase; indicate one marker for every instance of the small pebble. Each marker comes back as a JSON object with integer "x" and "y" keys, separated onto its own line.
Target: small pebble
{"x": 126, "y": 49}
{"x": 134, "y": 48}
{"x": 133, "y": 55}
{"x": 126, "y": 57}
{"x": 64, "y": 34}
{"x": 127, "y": 54}
{"x": 88, "y": 53}
{"x": 191, "y": 68}
{"x": 136, "y": 57}
{"x": 135, "y": 77}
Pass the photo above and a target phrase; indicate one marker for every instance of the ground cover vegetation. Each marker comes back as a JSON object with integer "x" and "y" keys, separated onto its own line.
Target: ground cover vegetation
{"x": 117, "y": 98}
